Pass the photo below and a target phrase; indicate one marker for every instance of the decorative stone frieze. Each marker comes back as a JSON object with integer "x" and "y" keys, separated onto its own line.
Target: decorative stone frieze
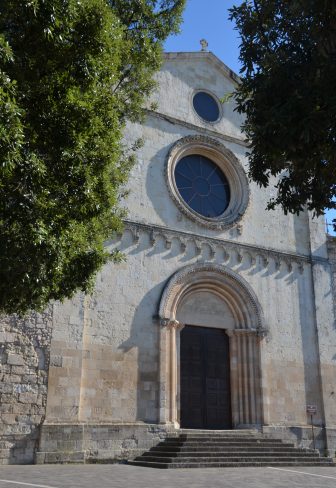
{"x": 243, "y": 253}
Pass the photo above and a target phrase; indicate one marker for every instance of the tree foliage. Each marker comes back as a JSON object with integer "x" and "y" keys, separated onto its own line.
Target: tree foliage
{"x": 71, "y": 73}
{"x": 287, "y": 92}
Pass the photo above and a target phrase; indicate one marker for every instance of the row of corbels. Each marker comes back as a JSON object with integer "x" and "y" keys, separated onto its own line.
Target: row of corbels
{"x": 227, "y": 249}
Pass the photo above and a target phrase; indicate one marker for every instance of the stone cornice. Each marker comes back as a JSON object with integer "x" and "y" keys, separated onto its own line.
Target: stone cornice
{"x": 197, "y": 128}
{"x": 242, "y": 251}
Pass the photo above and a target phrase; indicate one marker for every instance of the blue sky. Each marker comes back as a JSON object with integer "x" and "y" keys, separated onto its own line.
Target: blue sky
{"x": 208, "y": 19}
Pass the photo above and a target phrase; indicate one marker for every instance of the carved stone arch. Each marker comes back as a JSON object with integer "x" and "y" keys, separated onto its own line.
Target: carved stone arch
{"x": 245, "y": 327}
{"x": 220, "y": 280}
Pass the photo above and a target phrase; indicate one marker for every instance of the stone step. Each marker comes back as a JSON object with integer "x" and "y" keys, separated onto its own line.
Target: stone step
{"x": 219, "y": 433}
{"x": 223, "y": 439}
{"x": 218, "y": 438}
{"x": 228, "y": 454}
{"x": 229, "y": 464}
{"x": 204, "y": 448}
{"x": 198, "y": 451}
{"x": 224, "y": 459}
{"x": 220, "y": 444}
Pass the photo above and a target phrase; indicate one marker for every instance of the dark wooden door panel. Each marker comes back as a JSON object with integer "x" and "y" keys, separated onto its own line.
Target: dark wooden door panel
{"x": 205, "y": 378}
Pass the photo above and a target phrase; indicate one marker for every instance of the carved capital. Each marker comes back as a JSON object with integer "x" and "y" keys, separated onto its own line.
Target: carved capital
{"x": 261, "y": 333}
{"x": 247, "y": 332}
{"x": 229, "y": 332}
{"x": 171, "y": 324}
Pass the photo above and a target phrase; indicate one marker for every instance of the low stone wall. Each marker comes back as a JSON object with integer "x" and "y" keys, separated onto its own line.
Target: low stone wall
{"x": 301, "y": 436}
{"x": 24, "y": 364}
{"x": 331, "y": 441}
{"x": 89, "y": 443}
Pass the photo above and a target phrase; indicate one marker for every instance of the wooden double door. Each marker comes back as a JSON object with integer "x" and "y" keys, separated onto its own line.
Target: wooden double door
{"x": 205, "y": 379}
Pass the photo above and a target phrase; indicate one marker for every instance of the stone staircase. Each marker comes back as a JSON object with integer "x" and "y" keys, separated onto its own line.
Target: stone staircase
{"x": 219, "y": 449}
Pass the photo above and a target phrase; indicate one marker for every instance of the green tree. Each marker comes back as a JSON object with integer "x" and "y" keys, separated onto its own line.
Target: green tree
{"x": 71, "y": 73}
{"x": 287, "y": 92}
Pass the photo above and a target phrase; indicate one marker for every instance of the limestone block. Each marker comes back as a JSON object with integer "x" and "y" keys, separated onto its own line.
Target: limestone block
{"x": 15, "y": 359}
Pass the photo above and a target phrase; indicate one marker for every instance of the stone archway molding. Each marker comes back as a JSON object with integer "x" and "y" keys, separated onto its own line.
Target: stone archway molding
{"x": 245, "y": 338}
{"x": 221, "y": 281}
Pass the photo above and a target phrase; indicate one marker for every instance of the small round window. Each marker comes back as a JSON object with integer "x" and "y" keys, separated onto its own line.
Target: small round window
{"x": 206, "y": 106}
{"x": 202, "y": 185}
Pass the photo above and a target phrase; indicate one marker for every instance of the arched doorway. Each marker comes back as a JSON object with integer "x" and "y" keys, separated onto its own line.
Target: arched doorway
{"x": 210, "y": 302}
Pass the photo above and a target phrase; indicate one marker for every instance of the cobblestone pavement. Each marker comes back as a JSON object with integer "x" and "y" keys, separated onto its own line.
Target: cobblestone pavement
{"x": 122, "y": 476}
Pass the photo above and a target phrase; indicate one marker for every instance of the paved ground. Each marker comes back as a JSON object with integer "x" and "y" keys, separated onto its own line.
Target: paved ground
{"x": 122, "y": 476}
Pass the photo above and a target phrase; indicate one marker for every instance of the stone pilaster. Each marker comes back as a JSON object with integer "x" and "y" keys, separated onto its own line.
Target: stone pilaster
{"x": 169, "y": 371}
{"x": 245, "y": 377}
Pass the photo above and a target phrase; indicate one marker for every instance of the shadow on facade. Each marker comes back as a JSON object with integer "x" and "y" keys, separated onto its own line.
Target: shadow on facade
{"x": 144, "y": 336}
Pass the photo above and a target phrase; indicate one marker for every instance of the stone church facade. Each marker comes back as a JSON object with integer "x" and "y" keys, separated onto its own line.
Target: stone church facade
{"x": 221, "y": 317}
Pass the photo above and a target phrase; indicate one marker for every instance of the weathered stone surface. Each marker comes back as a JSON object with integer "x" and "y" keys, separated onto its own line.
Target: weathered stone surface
{"x": 15, "y": 359}
{"x": 107, "y": 384}
{"x": 23, "y": 387}
{"x": 92, "y": 442}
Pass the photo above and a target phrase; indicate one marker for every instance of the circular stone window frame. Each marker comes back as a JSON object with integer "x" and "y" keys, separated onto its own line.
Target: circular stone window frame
{"x": 228, "y": 164}
{"x": 212, "y": 95}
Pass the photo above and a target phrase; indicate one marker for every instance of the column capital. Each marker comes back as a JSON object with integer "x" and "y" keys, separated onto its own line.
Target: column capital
{"x": 171, "y": 324}
{"x": 246, "y": 332}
